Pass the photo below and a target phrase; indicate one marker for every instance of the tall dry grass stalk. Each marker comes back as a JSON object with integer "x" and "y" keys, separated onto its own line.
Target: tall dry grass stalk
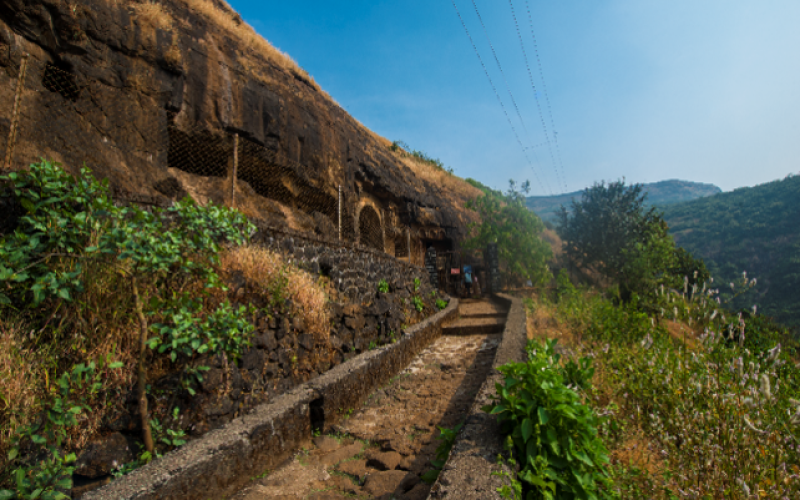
{"x": 268, "y": 274}
{"x": 19, "y": 381}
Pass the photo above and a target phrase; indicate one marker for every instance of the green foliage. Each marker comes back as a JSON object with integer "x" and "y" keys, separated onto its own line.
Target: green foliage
{"x": 447, "y": 438}
{"x": 440, "y": 304}
{"x": 71, "y": 223}
{"x": 564, "y": 286}
{"x": 62, "y": 215}
{"x": 517, "y": 232}
{"x": 417, "y": 284}
{"x": 418, "y": 304}
{"x": 76, "y": 220}
{"x": 43, "y": 470}
{"x": 169, "y": 437}
{"x": 186, "y": 334}
{"x": 609, "y": 230}
{"x": 383, "y": 286}
{"x": 749, "y": 229}
{"x": 721, "y": 407}
{"x": 554, "y": 434}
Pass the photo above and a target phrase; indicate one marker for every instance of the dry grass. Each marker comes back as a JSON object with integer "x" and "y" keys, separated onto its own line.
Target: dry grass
{"x": 19, "y": 379}
{"x": 682, "y": 333}
{"x": 452, "y": 188}
{"x": 153, "y": 14}
{"x": 233, "y": 23}
{"x": 272, "y": 276}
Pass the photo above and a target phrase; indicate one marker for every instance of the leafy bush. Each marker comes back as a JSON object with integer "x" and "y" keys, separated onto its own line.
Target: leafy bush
{"x": 553, "y": 432}
{"x": 42, "y": 471}
{"x": 418, "y": 304}
{"x": 383, "y": 286}
{"x": 71, "y": 224}
{"x": 440, "y": 304}
{"x": 447, "y": 438}
{"x": 506, "y": 221}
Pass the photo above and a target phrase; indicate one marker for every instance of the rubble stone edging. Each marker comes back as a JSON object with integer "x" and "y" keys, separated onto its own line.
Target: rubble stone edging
{"x": 225, "y": 459}
{"x": 467, "y": 474}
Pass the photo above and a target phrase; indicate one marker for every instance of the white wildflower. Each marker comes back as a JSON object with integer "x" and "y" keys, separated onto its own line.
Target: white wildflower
{"x": 765, "y": 388}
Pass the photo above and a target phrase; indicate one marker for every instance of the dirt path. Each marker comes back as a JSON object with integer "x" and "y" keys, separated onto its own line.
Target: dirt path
{"x": 381, "y": 449}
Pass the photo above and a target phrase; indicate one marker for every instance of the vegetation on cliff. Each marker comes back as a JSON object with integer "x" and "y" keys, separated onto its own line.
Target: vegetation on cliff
{"x": 753, "y": 230}
{"x": 94, "y": 296}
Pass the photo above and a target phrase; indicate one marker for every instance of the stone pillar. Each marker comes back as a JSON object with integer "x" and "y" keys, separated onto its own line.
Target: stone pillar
{"x": 492, "y": 264}
{"x": 430, "y": 266}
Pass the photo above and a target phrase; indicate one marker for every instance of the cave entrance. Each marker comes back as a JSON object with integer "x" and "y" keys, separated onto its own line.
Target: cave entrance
{"x": 369, "y": 228}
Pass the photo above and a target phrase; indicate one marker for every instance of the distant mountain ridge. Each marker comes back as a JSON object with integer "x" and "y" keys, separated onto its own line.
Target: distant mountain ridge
{"x": 659, "y": 194}
{"x": 752, "y": 229}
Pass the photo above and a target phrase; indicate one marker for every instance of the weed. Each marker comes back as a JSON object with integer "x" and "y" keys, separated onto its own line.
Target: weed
{"x": 550, "y": 427}
{"x": 447, "y": 438}
{"x": 383, "y": 286}
{"x": 440, "y": 304}
{"x": 418, "y": 304}
{"x": 416, "y": 284}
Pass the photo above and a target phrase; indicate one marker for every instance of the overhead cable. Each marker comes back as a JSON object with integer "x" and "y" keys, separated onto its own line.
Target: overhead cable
{"x": 544, "y": 86}
{"x": 497, "y": 95}
{"x": 535, "y": 93}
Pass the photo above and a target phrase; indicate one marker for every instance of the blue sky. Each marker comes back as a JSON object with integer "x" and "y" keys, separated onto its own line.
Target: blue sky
{"x": 706, "y": 91}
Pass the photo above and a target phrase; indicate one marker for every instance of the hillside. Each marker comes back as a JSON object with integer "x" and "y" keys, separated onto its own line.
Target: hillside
{"x": 659, "y": 194}
{"x": 750, "y": 229}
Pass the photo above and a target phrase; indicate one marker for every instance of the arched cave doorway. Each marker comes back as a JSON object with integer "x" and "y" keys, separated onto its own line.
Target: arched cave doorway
{"x": 369, "y": 228}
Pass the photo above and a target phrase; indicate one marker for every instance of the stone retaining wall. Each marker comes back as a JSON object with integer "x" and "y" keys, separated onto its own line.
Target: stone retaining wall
{"x": 467, "y": 474}
{"x": 355, "y": 270}
{"x": 224, "y": 460}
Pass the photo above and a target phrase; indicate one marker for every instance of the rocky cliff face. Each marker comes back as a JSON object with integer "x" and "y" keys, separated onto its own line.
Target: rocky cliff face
{"x": 152, "y": 97}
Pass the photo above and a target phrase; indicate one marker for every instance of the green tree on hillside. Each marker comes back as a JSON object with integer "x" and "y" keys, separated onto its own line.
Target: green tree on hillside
{"x": 506, "y": 220}
{"x": 612, "y": 232}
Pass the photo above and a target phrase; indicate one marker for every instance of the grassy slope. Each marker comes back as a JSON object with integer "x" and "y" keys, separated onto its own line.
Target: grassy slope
{"x": 750, "y": 229}
{"x": 660, "y": 194}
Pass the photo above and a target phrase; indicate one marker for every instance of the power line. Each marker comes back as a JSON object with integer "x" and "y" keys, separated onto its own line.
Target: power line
{"x": 544, "y": 86}
{"x": 505, "y": 81}
{"x": 497, "y": 95}
{"x": 533, "y": 86}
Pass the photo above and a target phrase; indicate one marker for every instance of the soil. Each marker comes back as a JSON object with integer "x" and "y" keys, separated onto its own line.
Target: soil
{"x": 382, "y": 449}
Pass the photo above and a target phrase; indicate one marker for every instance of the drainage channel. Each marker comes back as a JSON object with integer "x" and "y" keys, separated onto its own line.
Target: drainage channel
{"x": 383, "y": 448}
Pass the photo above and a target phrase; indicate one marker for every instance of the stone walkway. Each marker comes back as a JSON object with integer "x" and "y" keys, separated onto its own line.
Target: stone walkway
{"x": 381, "y": 449}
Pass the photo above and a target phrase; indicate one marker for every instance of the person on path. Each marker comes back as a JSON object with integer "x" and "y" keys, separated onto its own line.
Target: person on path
{"x": 477, "y": 287}
{"x": 468, "y": 283}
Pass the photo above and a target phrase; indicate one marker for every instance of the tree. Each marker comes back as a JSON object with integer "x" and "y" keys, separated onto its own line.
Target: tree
{"x": 611, "y": 231}
{"x": 70, "y": 222}
{"x": 506, "y": 220}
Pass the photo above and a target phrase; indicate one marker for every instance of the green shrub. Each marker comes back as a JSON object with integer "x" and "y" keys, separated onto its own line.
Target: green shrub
{"x": 161, "y": 255}
{"x": 43, "y": 470}
{"x": 383, "y": 286}
{"x": 440, "y": 304}
{"x": 553, "y": 432}
{"x": 418, "y": 304}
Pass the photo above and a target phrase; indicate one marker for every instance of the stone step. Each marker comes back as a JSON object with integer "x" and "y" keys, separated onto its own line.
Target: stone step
{"x": 475, "y": 326}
